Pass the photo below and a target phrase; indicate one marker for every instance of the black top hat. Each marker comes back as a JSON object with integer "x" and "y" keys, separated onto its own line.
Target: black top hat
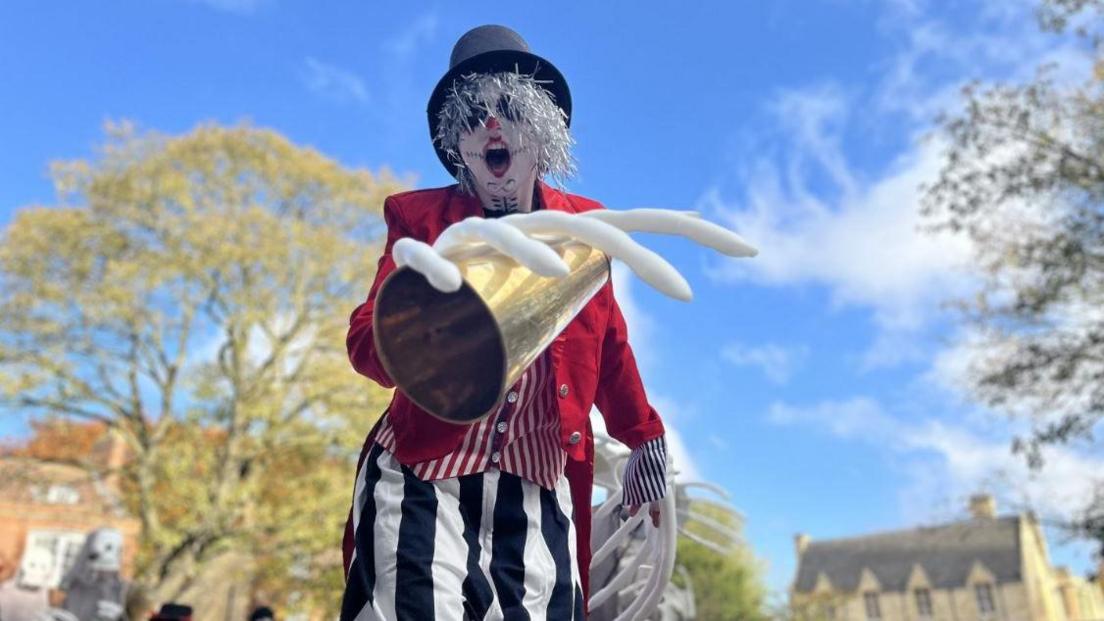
{"x": 172, "y": 612}
{"x": 494, "y": 49}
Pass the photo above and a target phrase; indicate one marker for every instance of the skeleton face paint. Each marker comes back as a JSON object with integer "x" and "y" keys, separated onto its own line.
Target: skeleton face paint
{"x": 503, "y": 161}
{"x": 105, "y": 550}
{"x": 35, "y": 569}
{"x": 530, "y": 125}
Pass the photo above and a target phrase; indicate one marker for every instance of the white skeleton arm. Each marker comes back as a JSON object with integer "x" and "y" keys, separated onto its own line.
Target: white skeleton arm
{"x": 526, "y": 238}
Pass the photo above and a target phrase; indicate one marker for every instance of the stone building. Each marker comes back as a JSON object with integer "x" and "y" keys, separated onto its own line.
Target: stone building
{"x": 983, "y": 568}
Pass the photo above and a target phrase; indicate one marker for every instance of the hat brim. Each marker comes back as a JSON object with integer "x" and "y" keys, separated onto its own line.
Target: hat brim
{"x": 525, "y": 63}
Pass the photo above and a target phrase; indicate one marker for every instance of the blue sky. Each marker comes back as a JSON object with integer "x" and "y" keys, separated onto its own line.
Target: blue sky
{"x": 816, "y": 382}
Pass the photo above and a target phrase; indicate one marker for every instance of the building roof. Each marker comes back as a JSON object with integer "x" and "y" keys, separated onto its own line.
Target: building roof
{"x": 29, "y": 482}
{"x": 946, "y": 553}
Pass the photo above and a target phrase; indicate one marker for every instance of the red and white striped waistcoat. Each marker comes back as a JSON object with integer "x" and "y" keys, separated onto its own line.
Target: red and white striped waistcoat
{"x": 522, "y": 437}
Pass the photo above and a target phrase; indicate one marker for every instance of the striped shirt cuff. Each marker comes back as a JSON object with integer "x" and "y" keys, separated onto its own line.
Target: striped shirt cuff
{"x": 646, "y": 473}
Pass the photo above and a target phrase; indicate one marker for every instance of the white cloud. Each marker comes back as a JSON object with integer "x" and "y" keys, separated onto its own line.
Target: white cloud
{"x": 952, "y": 366}
{"x": 856, "y": 418}
{"x": 866, "y": 246}
{"x": 971, "y": 462}
{"x": 906, "y": 86}
{"x": 333, "y": 82}
{"x": 823, "y": 216}
{"x": 778, "y": 363}
{"x": 891, "y": 348}
{"x": 406, "y": 42}
{"x": 822, "y": 219}
{"x": 945, "y": 462}
{"x": 641, "y": 327}
{"x": 1042, "y": 401}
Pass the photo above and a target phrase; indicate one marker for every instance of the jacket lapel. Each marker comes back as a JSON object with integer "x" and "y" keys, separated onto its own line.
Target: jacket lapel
{"x": 558, "y": 201}
{"x": 460, "y": 206}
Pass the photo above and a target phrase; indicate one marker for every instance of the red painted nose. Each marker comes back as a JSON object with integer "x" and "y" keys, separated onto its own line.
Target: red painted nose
{"x": 492, "y": 123}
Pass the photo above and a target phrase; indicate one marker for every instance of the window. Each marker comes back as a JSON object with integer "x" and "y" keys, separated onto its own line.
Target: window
{"x": 62, "y": 495}
{"x": 923, "y": 602}
{"x": 984, "y": 594}
{"x": 873, "y": 608}
{"x": 63, "y": 546}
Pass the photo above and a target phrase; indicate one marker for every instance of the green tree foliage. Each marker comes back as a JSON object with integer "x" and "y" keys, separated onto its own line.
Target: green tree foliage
{"x": 191, "y": 294}
{"x": 1024, "y": 181}
{"x": 726, "y": 586}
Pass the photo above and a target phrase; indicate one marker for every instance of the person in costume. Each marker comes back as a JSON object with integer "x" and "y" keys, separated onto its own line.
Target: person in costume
{"x": 491, "y": 519}
{"x": 478, "y": 521}
{"x": 94, "y": 589}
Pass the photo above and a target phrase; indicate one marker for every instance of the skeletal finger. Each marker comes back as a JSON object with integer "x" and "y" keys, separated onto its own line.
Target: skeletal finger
{"x": 684, "y": 224}
{"x": 442, "y": 274}
{"x": 508, "y": 240}
{"x": 649, "y": 266}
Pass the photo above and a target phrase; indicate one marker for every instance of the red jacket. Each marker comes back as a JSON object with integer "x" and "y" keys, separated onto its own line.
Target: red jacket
{"x": 591, "y": 357}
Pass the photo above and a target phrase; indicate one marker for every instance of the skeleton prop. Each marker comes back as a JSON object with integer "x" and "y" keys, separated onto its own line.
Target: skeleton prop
{"x": 483, "y": 511}
{"x": 632, "y": 563}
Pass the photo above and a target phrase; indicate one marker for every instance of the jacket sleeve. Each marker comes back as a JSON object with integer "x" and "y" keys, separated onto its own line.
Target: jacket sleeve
{"x": 360, "y": 341}
{"x": 645, "y": 477}
{"x": 620, "y": 395}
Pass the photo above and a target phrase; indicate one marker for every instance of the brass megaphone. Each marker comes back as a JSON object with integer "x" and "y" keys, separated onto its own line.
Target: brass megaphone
{"x": 456, "y": 354}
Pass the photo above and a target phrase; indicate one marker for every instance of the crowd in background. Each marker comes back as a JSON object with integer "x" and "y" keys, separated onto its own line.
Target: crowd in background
{"x": 92, "y": 589}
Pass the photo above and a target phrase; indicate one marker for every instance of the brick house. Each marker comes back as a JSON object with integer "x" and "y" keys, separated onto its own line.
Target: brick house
{"x": 53, "y": 506}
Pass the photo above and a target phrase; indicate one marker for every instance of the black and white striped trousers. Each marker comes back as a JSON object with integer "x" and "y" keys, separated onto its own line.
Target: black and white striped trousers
{"x": 482, "y": 546}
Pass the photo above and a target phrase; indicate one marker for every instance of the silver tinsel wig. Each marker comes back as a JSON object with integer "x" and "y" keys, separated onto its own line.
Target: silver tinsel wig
{"x": 512, "y": 96}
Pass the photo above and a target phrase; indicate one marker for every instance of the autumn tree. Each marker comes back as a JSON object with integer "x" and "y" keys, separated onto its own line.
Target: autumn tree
{"x": 191, "y": 294}
{"x": 1024, "y": 181}
{"x": 59, "y": 441}
{"x": 726, "y": 579}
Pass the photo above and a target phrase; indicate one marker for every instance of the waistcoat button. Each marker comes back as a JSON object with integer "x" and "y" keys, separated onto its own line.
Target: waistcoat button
{"x": 512, "y": 397}
{"x": 563, "y": 390}
{"x": 574, "y": 437}
{"x": 501, "y": 427}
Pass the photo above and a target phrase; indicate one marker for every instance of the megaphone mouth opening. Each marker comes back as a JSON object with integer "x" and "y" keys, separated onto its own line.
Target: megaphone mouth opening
{"x": 445, "y": 350}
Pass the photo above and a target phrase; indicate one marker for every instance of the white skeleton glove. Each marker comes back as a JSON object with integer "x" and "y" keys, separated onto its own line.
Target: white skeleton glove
{"x": 526, "y": 238}
{"x": 107, "y": 610}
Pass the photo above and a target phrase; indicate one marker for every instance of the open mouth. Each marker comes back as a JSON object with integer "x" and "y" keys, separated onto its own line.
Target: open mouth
{"x": 497, "y": 158}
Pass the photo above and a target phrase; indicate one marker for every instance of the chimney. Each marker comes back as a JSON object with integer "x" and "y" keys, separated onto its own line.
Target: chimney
{"x": 801, "y": 542}
{"x": 112, "y": 454}
{"x": 982, "y": 506}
